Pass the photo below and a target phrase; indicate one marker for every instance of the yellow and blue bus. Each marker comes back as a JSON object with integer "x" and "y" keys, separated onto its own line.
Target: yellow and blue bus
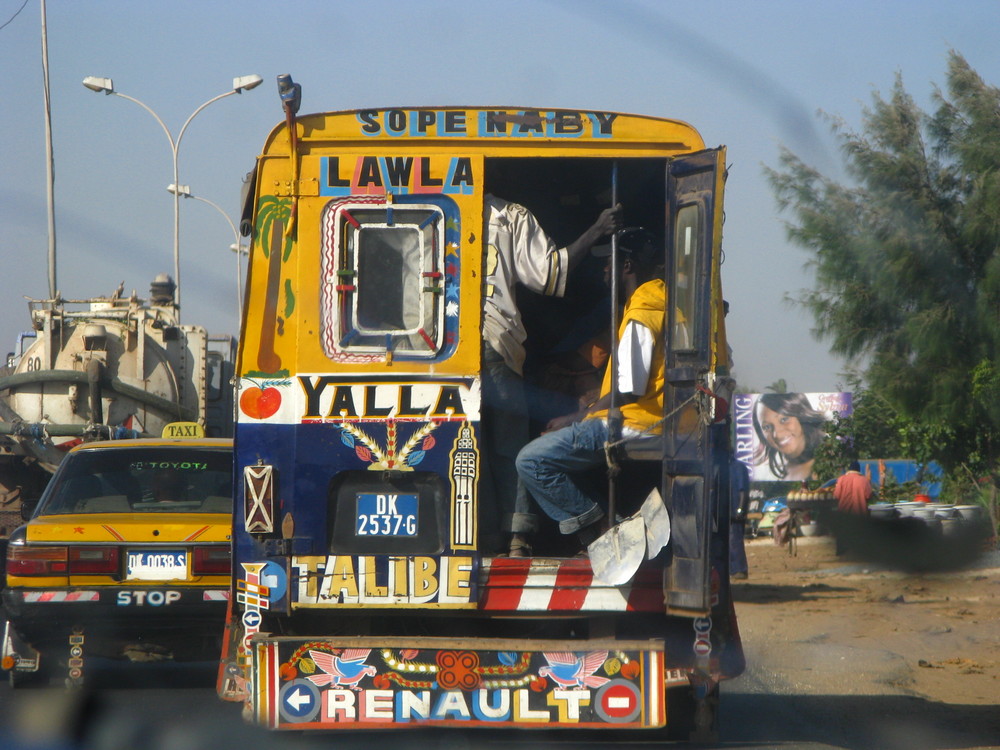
{"x": 367, "y": 591}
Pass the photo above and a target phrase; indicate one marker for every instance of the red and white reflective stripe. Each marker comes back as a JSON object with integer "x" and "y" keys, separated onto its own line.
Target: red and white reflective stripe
{"x": 215, "y": 596}
{"x": 36, "y": 597}
{"x": 539, "y": 584}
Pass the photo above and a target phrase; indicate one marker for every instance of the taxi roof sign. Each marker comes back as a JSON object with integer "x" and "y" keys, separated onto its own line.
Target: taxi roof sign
{"x": 183, "y": 430}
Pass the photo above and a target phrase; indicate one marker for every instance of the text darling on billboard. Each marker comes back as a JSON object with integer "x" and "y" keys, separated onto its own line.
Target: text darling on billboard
{"x": 777, "y": 433}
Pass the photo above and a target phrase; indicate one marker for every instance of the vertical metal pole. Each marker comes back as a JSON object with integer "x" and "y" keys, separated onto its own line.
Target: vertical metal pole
{"x": 177, "y": 234}
{"x": 50, "y": 167}
{"x": 175, "y": 149}
{"x": 236, "y": 247}
{"x": 614, "y": 417}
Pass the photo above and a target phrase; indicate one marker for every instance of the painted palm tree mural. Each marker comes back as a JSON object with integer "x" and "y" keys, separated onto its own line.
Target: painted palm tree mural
{"x": 273, "y": 216}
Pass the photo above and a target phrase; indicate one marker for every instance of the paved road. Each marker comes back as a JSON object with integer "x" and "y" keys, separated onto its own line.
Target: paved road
{"x": 762, "y": 710}
{"x": 162, "y": 707}
{"x": 165, "y": 707}
{"x": 172, "y": 706}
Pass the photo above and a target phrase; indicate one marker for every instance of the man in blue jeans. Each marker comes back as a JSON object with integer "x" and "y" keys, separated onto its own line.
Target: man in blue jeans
{"x": 574, "y": 444}
{"x": 518, "y": 252}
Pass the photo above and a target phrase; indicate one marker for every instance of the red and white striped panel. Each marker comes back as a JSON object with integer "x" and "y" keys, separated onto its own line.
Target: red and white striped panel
{"x": 45, "y": 597}
{"x": 215, "y": 596}
{"x": 550, "y": 585}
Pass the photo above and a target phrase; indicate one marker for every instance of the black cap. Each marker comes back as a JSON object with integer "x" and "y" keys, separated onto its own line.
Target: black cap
{"x": 633, "y": 242}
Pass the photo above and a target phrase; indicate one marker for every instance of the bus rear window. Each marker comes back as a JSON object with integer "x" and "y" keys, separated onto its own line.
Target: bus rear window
{"x": 383, "y": 279}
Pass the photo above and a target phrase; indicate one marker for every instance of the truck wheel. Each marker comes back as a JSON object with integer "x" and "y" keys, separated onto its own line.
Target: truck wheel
{"x": 18, "y": 679}
{"x": 691, "y": 720}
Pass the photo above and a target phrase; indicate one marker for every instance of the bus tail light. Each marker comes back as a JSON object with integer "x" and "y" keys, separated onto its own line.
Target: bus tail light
{"x": 211, "y": 561}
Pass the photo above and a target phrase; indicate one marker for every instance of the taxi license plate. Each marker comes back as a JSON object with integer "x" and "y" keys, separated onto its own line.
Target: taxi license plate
{"x": 386, "y": 515}
{"x": 156, "y": 565}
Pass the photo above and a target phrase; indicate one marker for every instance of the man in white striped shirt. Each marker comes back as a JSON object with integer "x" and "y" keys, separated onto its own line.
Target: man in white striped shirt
{"x": 518, "y": 251}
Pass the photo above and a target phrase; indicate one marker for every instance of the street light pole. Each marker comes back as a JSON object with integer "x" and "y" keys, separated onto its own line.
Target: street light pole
{"x": 184, "y": 191}
{"x": 240, "y": 84}
{"x": 50, "y": 175}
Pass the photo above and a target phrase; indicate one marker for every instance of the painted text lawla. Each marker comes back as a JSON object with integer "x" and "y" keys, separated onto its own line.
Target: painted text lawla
{"x": 375, "y": 174}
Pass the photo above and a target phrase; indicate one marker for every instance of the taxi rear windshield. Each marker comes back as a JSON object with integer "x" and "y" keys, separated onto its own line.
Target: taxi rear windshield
{"x": 157, "y": 480}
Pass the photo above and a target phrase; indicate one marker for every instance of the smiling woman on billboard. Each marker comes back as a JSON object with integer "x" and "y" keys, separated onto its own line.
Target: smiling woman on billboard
{"x": 788, "y": 431}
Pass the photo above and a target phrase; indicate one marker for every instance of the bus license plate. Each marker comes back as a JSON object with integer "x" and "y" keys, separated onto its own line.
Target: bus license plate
{"x": 386, "y": 515}
{"x": 156, "y": 565}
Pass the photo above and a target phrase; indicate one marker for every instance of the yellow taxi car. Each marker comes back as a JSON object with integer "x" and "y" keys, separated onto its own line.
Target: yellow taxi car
{"x": 127, "y": 555}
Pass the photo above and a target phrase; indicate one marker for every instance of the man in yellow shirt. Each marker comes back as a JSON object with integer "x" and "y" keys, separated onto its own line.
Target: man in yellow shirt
{"x": 519, "y": 252}
{"x": 575, "y": 443}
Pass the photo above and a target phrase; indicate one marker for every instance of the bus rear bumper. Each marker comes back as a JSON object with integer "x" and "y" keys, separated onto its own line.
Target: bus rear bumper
{"x": 354, "y": 683}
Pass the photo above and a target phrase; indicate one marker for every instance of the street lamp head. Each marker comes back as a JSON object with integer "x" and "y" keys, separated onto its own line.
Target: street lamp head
{"x": 99, "y": 84}
{"x": 184, "y": 191}
{"x": 245, "y": 83}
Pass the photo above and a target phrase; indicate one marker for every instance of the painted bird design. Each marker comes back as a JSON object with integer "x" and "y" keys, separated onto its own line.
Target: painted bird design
{"x": 344, "y": 670}
{"x": 574, "y": 671}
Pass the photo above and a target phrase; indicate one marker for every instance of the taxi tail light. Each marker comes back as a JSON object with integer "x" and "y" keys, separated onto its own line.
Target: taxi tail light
{"x": 93, "y": 561}
{"x": 24, "y": 560}
{"x": 211, "y": 561}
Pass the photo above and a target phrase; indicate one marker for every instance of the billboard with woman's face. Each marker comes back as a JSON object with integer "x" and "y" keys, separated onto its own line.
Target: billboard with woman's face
{"x": 777, "y": 433}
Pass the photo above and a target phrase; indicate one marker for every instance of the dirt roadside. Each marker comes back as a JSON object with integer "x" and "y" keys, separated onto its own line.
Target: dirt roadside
{"x": 839, "y": 626}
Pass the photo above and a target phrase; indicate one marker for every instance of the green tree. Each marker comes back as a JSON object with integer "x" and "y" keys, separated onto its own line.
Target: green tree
{"x": 778, "y": 386}
{"x": 906, "y": 259}
{"x": 873, "y": 429}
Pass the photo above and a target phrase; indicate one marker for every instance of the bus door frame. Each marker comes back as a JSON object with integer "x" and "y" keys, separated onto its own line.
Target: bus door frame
{"x": 690, "y": 465}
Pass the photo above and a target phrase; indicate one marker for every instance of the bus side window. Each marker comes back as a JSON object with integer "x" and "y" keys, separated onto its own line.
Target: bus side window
{"x": 686, "y": 242}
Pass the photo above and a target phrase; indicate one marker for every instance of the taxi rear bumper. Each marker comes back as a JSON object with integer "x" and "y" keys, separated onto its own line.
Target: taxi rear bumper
{"x": 182, "y": 621}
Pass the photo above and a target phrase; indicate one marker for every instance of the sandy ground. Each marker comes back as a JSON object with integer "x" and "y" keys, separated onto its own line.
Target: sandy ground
{"x": 843, "y": 626}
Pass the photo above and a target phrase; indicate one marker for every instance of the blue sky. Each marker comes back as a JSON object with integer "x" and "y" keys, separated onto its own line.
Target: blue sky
{"x": 750, "y": 75}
